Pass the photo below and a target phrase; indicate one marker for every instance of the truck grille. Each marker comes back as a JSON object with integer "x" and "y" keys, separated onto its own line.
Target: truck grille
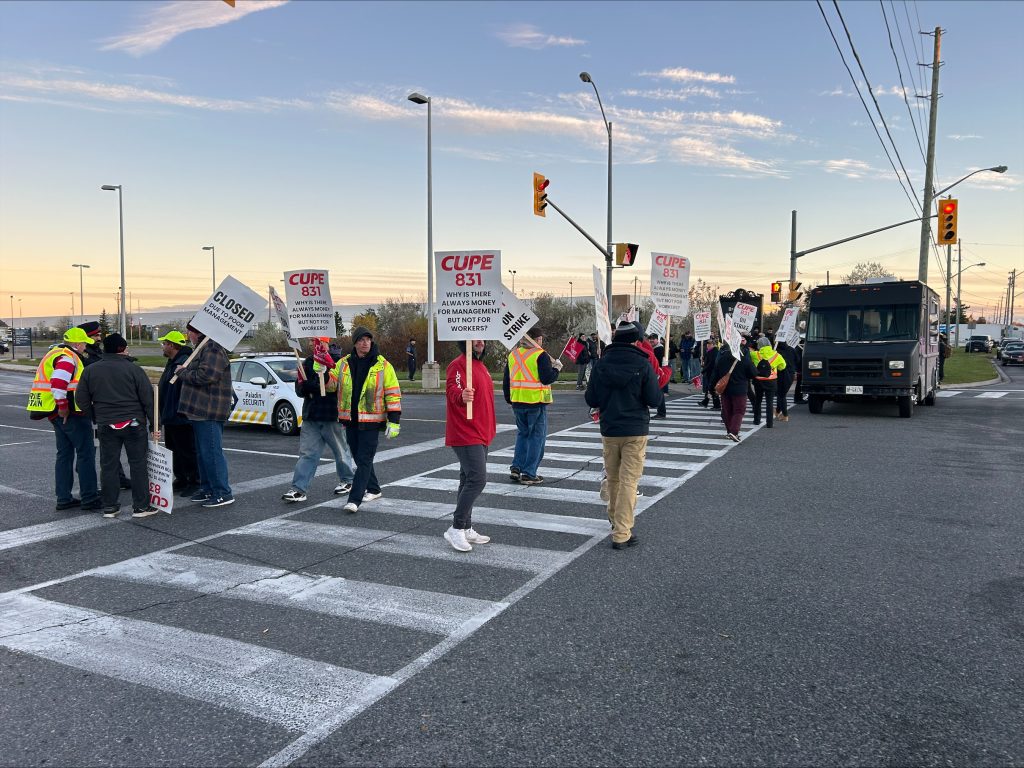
{"x": 858, "y": 368}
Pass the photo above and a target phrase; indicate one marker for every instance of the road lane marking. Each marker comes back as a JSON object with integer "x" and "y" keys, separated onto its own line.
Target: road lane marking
{"x": 570, "y": 495}
{"x": 33, "y": 534}
{"x": 293, "y": 692}
{"x": 991, "y": 395}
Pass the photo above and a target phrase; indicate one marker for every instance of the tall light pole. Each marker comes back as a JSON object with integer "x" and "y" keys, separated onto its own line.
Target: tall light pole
{"x": 81, "y": 289}
{"x": 431, "y": 376}
{"x": 956, "y": 342}
{"x": 12, "y": 326}
{"x": 72, "y": 295}
{"x": 570, "y": 296}
{"x": 513, "y": 273}
{"x": 585, "y": 77}
{"x": 213, "y": 260}
{"x": 120, "y": 216}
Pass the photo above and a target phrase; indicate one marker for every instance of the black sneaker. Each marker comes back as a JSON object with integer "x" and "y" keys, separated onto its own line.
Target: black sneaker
{"x": 514, "y": 474}
{"x": 632, "y": 541}
{"x": 125, "y": 483}
{"x": 201, "y": 496}
{"x": 147, "y": 512}
{"x": 111, "y": 512}
{"x": 74, "y": 502}
{"x": 188, "y": 491}
{"x": 93, "y": 506}
{"x": 220, "y": 501}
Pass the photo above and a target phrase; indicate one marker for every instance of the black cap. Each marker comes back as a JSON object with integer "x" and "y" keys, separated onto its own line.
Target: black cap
{"x": 114, "y": 343}
{"x": 626, "y": 333}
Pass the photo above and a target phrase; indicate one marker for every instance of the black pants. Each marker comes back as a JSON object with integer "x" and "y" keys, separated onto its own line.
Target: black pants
{"x": 707, "y": 384}
{"x": 798, "y": 393}
{"x": 581, "y": 373}
{"x": 472, "y": 480}
{"x": 764, "y": 392}
{"x": 662, "y": 410}
{"x": 363, "y": 443}
{"x": 134, "y": 440}
{"x": 782, "y": 403}
{"x": 412, "y": 368}
{"x": 182, "y": 444}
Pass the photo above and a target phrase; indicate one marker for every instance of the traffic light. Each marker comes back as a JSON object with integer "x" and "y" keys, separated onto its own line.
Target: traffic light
{"x": 777, "y": 292}
{"x": 794, "y": 291}
{"x": 540, "y": 196}
{"x": 625, "y": 254}
{"x": 947, "y": 221}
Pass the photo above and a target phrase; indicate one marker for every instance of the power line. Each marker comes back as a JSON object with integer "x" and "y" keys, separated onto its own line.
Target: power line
{"x": 871, "y": 119}
{"x": 903, "y": 88}
{"x": 871, "y": 91}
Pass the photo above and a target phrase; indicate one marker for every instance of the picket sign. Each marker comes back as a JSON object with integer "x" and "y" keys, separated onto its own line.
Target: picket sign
{"x": 702, "y": 326}
{"x": 469, "y": 376}
{"x": 743, "y": 317}
{"x": 159, "y": 464}
{"x": 670, "y": 283}
{"x": 787, "y": 326}
{"x": 310, "y": 309}
{"x": 668, "y": 330}
{"x": 604, "y": 325}
{"x": 516, "y": 319}
{"x": 281, "y": 310}
{"x": 469, "y": 295}
{"x": 189, "y": 359}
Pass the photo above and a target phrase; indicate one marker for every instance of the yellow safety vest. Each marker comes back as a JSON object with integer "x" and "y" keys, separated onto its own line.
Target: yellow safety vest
{"x": 524, "y": 377}
{"x": 40, "y": 398}
{"x": 381, "y": 392}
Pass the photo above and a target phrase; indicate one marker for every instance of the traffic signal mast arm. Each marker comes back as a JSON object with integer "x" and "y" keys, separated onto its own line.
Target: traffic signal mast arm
{"x": 798, "y": 254}
{"x": 580, "y": 229}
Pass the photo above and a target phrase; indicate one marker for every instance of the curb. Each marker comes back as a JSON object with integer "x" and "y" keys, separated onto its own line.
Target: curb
{"x": 999, "y": 379}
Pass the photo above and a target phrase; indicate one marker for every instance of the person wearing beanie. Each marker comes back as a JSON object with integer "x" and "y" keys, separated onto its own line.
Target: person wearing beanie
{"x": 53, "y": 397}
{"x": 120, "y": 398}
{"x": 469, "y": 438}
{"x": 738, "y": 370}
{"x": 369, "y": 402}
{"x": 178, "y": 434}
{"x": 768, "y": 363}
{"x": 206, "y": 401}
{"x": 93, "y": 354}
{"x": 623, "y": 386}
{"x": 526, "y": 384}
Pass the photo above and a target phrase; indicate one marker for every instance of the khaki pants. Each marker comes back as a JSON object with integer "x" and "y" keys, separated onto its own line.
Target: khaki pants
{"x": 624, "y": 463}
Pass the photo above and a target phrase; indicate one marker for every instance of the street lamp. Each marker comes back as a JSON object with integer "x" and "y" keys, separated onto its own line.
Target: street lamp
{"x": 81, "y": 289}
{"x": 213, "y": 258}
{"x": 585, "y": 77}
{"x": 956, "y": 342}
{"x": 430, "y": 372}
{"x": 12, "y": 326}
{"x": 72, "y": 295}
{"x": 513, "y": 273}
{"x": 929, "y": 196}
{"x": 570, "y": 296}
{"x": 120, "y": 216}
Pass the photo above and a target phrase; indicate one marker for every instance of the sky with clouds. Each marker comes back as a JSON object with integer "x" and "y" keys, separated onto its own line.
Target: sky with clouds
{"x": 280, "y": 133}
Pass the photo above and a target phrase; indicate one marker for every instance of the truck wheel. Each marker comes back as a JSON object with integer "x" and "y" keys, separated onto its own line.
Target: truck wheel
{"x": 284, "y": 419}
{"x": 815, "y": 403}
{"x": 906, "y": 403}
{"x": 930, "y": 398}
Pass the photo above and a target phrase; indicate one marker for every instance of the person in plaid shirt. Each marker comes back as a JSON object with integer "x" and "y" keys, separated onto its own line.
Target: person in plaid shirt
{"x": 206, "y": 403}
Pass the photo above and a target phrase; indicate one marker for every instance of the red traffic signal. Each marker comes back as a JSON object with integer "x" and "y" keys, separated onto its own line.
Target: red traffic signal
{"x": 948, "y": 211}
{"x": 777, "y": 292}
{"x": 540, "y": 197}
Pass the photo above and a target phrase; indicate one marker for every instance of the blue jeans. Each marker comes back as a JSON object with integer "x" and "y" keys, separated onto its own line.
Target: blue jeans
{"x": 314, "y": 437}
{"x": 74, "y": 439}
{"x": 213, "y": 467}
{"x": 531, "y": 433}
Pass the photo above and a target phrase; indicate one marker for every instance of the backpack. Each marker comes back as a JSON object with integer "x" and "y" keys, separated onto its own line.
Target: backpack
{"x": 764, "y": 370}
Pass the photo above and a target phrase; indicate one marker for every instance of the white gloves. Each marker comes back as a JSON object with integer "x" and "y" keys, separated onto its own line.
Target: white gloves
{"x": 556, "y": 364}
{"x": 392, "y": 430}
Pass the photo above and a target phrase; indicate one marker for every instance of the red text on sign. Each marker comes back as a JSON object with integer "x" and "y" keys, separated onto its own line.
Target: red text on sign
{"x": 462, "y": 262}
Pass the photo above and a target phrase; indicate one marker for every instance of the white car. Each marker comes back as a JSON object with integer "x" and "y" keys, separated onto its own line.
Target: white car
{"x": 265, "y": 387}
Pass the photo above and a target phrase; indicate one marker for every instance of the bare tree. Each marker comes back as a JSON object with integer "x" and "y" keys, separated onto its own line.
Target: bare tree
{"x": 865, "y": 270}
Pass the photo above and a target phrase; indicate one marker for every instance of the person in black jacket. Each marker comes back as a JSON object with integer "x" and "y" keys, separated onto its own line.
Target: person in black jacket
{"x": 623, "y": 386}
{"x": 708, "y": 379}
{"x": 786, "y": 376}
{"x": 177, "y": 430}
{"x": 734, "y": 399}
{"x": 320, "y": 429}
{"x": 582, "y": 361}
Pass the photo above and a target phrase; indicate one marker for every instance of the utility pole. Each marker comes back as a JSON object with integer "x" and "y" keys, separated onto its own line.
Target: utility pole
{"x": 959, "y": 301}
{"x": 929, "y": 172}
{"x": 1013, "y": 295}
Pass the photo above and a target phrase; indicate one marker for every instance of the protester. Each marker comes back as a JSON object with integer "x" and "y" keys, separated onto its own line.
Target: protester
{"x": 734, "y": 399}
{"x": 944, "y": 352}
{"x": 410, "y": 358}
{"x": 118, "y": 394}
{"x": 662, "y": 373}
{"x": 53, "y": 397}
{"x": 369, "y": 402}
{"x": 785, "y": 380}
{"x": 320, "y": 429}
{"x": 798, "y": 375}
{"x": 708, "y": 377}
{"x": 686, "y": 347}
{"x": 526, "y": 384}
{"x": 470, "y": 439}
{"x": 623, "y": 387}
{"x": 206, "y": 398}
{"x": 93, "y": 354}
{"x": 582, "y": 361}
{"x": 674, "y": 360}
{"x": 658, "y": 350}
{"x": 768, "y": 363}
{"x": 177, "y": 432}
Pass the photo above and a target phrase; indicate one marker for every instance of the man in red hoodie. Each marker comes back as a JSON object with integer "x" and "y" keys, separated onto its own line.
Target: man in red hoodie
{"x": 470, "y": 439}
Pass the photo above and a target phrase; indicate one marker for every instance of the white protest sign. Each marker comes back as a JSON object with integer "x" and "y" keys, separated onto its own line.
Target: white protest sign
{"x": 702, "y": 325}
{"x": 468, "y": 295}
{"x": 604, "y": 325}
{"x": 657, "y": 323}
{"x": 743, "y": 316}
{"x": 788, "y": 324}
{"x": 229, "y": 313}
{"x": 160, "y": 463}
{"x": 310, "y": 311}
{"x": 794, "y": 337}
{"x": 732, "y": 337}
{"x": 670, "y": 283}
{"x": 516, "y": 318}
{"x": 282, "y": 316}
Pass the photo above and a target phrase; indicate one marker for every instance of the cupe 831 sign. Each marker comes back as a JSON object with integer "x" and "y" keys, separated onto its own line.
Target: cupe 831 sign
{"x": 468, "y": 295}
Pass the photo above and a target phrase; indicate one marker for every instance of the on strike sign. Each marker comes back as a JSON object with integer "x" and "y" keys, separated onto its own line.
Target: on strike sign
{"x": 702, "y": 325}
{"x": 516, "y": 318}
{"x": 468, "y": 295}
{"x": 743, "y": 316}
{"x": 229, "y": 313}
{"x": 310, "y": 310}
{"x": 670, "y": 283}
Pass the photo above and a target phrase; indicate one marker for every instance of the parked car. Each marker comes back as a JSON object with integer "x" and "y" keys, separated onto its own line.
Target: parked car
{"x": 1013, "y": 353}
{"x": 264, "y": 385}
{"x": 979, "y": 344}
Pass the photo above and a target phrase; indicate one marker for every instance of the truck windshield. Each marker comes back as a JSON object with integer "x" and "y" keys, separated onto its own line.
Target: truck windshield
{"x": 881, "y": 323}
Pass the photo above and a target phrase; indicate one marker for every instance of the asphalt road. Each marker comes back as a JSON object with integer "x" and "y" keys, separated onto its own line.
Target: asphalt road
{"x": 845, "y": 588}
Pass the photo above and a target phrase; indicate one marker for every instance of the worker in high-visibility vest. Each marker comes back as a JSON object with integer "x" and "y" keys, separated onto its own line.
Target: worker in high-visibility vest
{"x": 527, "y": 386}
{"x": 768, "y": 363}
{"x": 53, "y": 397}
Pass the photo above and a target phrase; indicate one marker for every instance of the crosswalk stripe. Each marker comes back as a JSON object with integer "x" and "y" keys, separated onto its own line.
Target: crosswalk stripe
{"x": 948, "y": 392}
{"x": 570, "y": 495}
{"x": 515, "y": 518}
{"x": 658, "y": 428}
{"x": 32, "y": 534}
{"x": 380, "y": 603}
{"x": 293, "y": 692}
{"x": 598, "y": 459}
{"x": 430, "y": 547}
{"x": 991, "y": 395}
{"x": 561, "y": 473}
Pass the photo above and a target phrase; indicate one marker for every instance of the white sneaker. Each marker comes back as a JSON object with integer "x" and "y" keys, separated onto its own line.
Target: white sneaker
{"x": 476, "y": 538}
{"x": 457, "y": 538}
{"x": 350, "y": 507}
{"x": 371, "y": 496}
